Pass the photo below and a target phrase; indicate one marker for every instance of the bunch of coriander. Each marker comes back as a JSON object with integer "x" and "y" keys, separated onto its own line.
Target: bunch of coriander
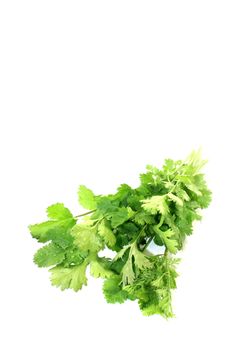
{"x": 160, "y": 211}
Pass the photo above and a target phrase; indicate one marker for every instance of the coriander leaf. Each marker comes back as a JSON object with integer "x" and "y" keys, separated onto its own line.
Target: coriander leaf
{"x": 49, "y": 255}
{"x": 74, "y": 257}
{"x": 73, "y": 277}
{"x": 143, "y": 218}
{"x": 165, "y": 302}
{"x": 156, "y": 204}
{"x": 149, "y": 302}
{"x": 117, "y": 265}
{"x": 135, "y": 258}
{"x": 42, "y": 231}
{"x": 86, "y": 237}
{"x": 147, "y": 178}
{"x": 170, "y": 243}
{"x": 195, "y": 162}
{"x": 86, "y": 198}
{"x": 61, "y": 223}
{"x": 105, "y": 206}
{"x": 60, "y": 236}
{"x": 97, "y": 269}
{"x": 175, "y": 199}
{"x": 157, "y": 302}
{"x": 59, "y": 212}
{"x": 113, "y": 291}
{"x": 182, "y": 194}
{"x": 121, "y": 253}
{"x": 105, "y": 231}
{"x": 128, "y": 274}
{"x": 140, "y": 259}
{"x": 125, "y": 233}
{"x": 119, "y": 217}
{"x": 124, "y": 191}
{"x": 192, "y": 187}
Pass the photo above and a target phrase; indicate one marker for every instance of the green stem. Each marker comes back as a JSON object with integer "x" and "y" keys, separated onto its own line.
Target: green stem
{"x": 87, "y": 213}
{"x": 138, "y": 236}
{"x": 160, "y": 222}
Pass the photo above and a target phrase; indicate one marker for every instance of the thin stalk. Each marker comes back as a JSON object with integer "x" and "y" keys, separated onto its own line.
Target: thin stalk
{"x": 87, "y": 213}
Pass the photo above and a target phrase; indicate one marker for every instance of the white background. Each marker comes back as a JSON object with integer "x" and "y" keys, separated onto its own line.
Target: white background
{"x": 91, "y": 92}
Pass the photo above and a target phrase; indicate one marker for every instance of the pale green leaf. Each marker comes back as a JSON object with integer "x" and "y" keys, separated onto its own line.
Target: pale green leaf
{"x": 58, "y": 212}
{"x": 97, "y": 269}
{"x": 128, "y": 274}
{"x": 105, "y": 231}
{"x": 192, "y": 187}
{"x": 121, "y": 253}
{"x": 196, "y": 161}
{"x": 73, "y": 277}
{"x": 140, "y": 259}
{"x": 156, "y": 204}
{"x": 175, "y": 199}
{"x": 86, "y": 237}
{"x": 86, "y": 198}
{"x": 143, "y": 218}
{"x": 170, "y": 243}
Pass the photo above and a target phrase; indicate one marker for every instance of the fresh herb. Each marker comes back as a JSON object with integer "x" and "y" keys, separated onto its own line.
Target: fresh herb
{"x": 161, "y": 211}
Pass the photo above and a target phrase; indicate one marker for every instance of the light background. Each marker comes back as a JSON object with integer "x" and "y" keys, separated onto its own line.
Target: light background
{"x": 91, "y": 92}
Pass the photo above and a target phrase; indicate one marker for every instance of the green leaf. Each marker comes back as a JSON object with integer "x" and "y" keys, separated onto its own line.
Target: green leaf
{"x": 158, "y": 302}
{"x": 59, "y": 212}
{"x": 124, "y": 191}
{"x": 97, "y": 269}
{"x": 40, "y": 231}
{"x": 192, "y": 187}
{"x": 49, "y": 255}
{"x": 60, "y": 236}
{"x": 44, "y": 231}
{"x": 73, "y": 277}
{"x": 153, "y": 287}
{"x": 170, "y": 243}
{"x": 143, "y": 218}
{"x": 156, "y": 204}
{"x": 119, "y": 217}
{"x": 182, "y": 194}
{"x": 86, "y": 237}
{"x": 175, "y": 199}
{"x": 135, "y": 258}
{"x": 105, "y": 231}
{"x": 149, "y": 303}
{"x": 86, "y": 198}
{"x": 113, "y": 291}
{"x": 60, "y": 224}
{"x": 128, "y": 274}
{"x": 121, "y": 253}
{"x": 74, "y": 257}
{"x": 195, "y": 161}
{"x": 147, "y": 178}
{"x": 105, "y": 206}
{"x": 140, "y": 259}
{"x": 165, "y": 305}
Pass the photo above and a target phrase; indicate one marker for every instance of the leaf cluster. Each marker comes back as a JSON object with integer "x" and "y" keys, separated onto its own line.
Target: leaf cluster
{"x": 160, "y": 211}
